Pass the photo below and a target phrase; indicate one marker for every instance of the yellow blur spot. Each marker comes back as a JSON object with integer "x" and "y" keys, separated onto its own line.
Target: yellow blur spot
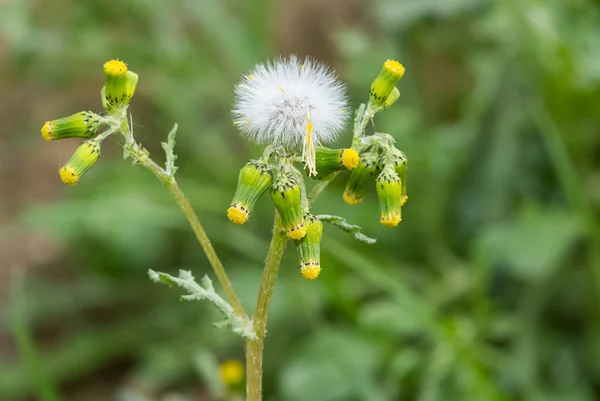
{"x": 349, "y": 158}
{"x": 351, "y": 199}
{"x": 115, "y": 68}
{"x": 311, "y": 271}
{"x": 236, "y": 215}
{"x": 251, "y": 76}
{"x": 403, "y": 200}
{"x": 231, "y": 372}
{"x": 281, "y": 89}
{"x": 46, "y": 132}
{"x": 68, "y": 175}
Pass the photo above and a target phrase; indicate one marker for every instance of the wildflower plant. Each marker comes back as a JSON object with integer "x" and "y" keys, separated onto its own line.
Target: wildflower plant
{"x": 295, "y": 108}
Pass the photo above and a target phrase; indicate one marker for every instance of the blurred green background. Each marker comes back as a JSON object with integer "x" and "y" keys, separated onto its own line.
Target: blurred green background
{"x": 488, "y": 290}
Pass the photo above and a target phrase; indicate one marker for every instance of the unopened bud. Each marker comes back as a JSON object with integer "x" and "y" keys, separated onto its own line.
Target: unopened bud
{"x": 361, "y": 177}
{"x": 391, "y": 99}
{"x": 332, "y": 160}
{"x": 254, "y": 179}
{"x": 309, "y": 248}
{"x": 287, "y": 197}
{"x": 119, "y": 86}
{"x": 84, "y": 157}
{"x": 84, "y": 124}
{"x": 400, "y": 163}
{"x": 383, "y": 86}
{"x": 389, "y": 190}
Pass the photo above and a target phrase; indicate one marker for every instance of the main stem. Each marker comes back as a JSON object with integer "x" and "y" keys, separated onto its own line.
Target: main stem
{"x": 254, "y": 348}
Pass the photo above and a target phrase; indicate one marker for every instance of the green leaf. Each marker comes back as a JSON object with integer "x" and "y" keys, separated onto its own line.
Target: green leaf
{"x": 342, "y": 224}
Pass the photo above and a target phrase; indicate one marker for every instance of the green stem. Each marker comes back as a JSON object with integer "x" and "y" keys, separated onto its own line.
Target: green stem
{"x": 205, "y": 243}
{"x": 140, "y": 155}
{"x": 254, "y": 348}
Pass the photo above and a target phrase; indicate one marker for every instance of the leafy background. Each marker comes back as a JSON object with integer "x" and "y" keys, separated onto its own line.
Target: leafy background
{"x": 488, "y": 290}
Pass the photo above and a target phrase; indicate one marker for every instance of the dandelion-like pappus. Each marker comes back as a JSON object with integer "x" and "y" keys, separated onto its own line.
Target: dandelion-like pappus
{"x": 298, "y": 104}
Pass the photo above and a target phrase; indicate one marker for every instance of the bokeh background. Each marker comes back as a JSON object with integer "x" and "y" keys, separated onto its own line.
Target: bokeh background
{"x": 488, "y": 290}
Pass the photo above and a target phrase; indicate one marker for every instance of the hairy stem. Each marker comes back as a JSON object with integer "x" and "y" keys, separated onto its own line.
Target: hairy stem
{"x": 141, "y": 156}
{"x": 205, "y": 243}
{"x": 254, "y": 348}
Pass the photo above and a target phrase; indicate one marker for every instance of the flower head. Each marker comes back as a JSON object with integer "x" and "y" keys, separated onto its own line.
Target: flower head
{"x": 84, "y": 124}
{"x": 293, "y": 103}
{"x": 82, "y": 160}
{"x": 255, "y": 178}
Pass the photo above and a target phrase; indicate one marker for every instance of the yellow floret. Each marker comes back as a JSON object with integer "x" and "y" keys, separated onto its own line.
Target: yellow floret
{"x": 310, "y": 271}
{"x": 231, "y": 372}
{"x": 391, "y": 221}
{"x": 115, "y": 68}
{"x": 296, "y": 232}
{"x": 46, "y": 134}
{"x": 351, "y": 199}
{"x": 236, "y": 215}
{"x": 68, "y": 176}
{"x": 394, "y": 67}
{"x": 403, "y": 200}
{"x": 350, "y": 158}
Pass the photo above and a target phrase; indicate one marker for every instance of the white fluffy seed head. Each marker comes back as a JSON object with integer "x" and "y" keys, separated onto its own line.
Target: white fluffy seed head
{"x": 289, "y": 102}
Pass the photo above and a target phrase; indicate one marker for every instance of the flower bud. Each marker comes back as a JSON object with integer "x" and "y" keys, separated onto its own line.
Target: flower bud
{"x": 254, "y": 179}
{"x": 389, "y": 191}
{"x": 383, "y": 86}
{"x": 332, "y": 160}
{"x": 391, "y": 99}
{"x": 309, "y": 248}
{"x": 400, "y": 164}
{"x": 119, "y": 86}
{"x": 360, "y": 177}
{"x": 287, "y": 197}
{"x": 84, "y": 124}
{"x": 84, "y": 157}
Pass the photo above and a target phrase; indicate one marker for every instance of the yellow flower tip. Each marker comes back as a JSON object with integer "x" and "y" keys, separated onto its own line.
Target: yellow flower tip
{"x": 115, "y": 68}
{"x": 351, "y": 199}
{"x": 296, "y": 232}
{"x": 311, "y": 271}
{"x": 231, "y": 372}
{"x": 403, "y": 200}
{"x": 46, "y": 133}
{"x": 237, "y": 214}
{"x": 394, "y": 67}
{"x": 68, "y": 176}
{"x": 391, "y": 221}
{"x": 349, "y": 158}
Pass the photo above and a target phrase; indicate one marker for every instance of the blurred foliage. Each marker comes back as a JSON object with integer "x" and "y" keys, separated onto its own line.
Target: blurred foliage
{"x": 488, "y": 290}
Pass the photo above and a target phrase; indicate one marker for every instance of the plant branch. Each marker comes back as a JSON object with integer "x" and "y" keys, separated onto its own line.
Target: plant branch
{"x": 141, "y": 156}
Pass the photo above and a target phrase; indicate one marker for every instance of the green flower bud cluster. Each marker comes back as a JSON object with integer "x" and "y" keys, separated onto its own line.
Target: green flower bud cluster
{"x": 387, "y": 167}
{"x": 117, "y": 92}
{"x": 286, "y": 193}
